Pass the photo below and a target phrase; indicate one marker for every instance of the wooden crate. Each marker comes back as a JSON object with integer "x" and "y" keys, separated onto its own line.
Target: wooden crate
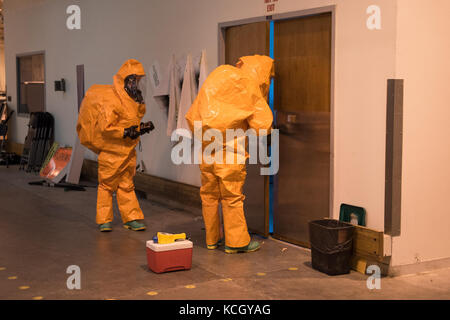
{"x": 370, "y": 247}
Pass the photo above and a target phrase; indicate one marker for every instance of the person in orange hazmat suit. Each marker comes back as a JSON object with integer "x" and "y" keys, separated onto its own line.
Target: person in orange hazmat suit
{"x": 109, "y": 124}
{"x": 230, "y": 98}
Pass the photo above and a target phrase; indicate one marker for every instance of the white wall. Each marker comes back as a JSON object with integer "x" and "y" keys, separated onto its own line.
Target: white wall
{"x": 114, "y": 30}
{"x": 364, "y": 61}
{"x": 423, "y": 52}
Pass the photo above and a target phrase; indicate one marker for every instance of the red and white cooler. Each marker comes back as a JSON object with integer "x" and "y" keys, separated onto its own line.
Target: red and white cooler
{"x": 169, "y": 257}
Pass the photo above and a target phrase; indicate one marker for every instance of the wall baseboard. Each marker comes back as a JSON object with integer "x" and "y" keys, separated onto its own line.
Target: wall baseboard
{"x": 14, "y": 147}
{"x": 155, "y": 188}
{"x": 421, "y": 267}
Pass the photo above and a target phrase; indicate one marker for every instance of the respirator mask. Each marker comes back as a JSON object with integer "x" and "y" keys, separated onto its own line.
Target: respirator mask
{"x": 135, "y": 86}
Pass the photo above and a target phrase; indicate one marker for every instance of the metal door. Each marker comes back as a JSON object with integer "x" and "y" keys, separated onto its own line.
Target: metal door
{"x": 302, "y": 103}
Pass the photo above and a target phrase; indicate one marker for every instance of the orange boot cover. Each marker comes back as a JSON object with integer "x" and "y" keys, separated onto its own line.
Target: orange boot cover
{"x": 210, "y": 195}
{"x": 126, "y": 197}
{"x": 104, "y": 204}
{"x": 120, "y": 182}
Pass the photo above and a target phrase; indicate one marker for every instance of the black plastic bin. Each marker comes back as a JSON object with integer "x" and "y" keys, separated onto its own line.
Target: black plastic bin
{"x": 331, "y": 246}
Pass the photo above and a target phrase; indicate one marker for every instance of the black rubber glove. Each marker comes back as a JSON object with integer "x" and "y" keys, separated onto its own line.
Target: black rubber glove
{"x": 131, "y": 132}
{"x": 146, "y": 127}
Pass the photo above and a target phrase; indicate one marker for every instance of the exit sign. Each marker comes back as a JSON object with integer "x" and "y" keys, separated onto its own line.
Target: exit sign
{"x": 270, "y": 5}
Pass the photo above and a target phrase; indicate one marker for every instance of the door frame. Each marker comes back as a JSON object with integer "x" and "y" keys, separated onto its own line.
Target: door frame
{"x": 293, "y": 15}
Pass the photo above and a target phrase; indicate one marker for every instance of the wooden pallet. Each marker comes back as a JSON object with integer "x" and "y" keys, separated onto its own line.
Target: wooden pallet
{"x": 370, "y": 247}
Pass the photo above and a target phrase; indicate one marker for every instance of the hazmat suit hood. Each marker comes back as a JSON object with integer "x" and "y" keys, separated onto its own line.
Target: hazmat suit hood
{"x": 130, "y": 67}
{"x": 259, "y": 68}
{"x": 235, "y": 97}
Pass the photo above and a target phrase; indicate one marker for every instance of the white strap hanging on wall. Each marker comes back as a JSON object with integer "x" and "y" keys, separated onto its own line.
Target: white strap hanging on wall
{"x": 203, "y": 70}
{"x": 174, "y": 97}
{"x": 188, "y": 93}
{"x": 160, "y": 80}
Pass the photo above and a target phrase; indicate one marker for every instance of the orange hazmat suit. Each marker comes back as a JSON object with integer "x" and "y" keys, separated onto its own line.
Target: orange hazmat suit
{"x": 230, "y": 98}
{"x": 104, "y": 114}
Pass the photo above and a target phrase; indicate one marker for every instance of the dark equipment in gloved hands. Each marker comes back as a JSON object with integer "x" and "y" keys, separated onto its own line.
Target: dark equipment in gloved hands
{"x": 146, "y": 127}
{"x": 131, "y": 132}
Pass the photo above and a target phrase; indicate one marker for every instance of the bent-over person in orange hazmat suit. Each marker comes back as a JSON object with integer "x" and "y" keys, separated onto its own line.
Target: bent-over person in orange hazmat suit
{"x": 110, "y": 125}
{"x": 230, "y": 98}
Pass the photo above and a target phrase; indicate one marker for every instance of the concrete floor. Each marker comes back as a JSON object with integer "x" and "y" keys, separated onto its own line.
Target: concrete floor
{"x": 45, "y": 230}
